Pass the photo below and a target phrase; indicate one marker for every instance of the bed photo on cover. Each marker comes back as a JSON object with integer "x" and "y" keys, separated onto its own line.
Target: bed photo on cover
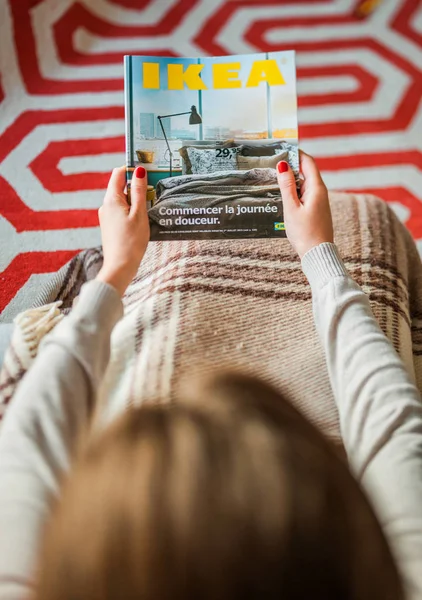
{"x": 210, "y": 132}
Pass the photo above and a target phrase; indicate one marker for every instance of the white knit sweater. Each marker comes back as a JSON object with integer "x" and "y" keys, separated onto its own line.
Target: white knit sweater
{"x": 379, "y": 407}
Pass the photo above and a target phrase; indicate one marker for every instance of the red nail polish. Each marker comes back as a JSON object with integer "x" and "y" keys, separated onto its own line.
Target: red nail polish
{"x": 282, "y": 166}
{"x": 140, "y": 172}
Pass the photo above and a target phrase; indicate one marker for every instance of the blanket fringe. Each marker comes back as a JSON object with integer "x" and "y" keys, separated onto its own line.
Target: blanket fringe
{"x": 30, "y": 328}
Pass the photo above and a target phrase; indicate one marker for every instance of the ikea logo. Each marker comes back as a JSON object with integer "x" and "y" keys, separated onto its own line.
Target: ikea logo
{"x": 279, "y": 227}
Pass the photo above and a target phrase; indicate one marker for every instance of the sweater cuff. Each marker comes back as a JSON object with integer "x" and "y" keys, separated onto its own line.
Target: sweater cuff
{"x": 98, "y": 305}
{"x": 321, "y": 264}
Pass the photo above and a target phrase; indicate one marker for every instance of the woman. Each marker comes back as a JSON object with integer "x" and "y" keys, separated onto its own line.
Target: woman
{"x": 230, "y": 492}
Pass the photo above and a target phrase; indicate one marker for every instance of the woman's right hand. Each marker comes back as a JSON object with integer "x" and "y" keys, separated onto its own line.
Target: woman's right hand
{"x": 308, "y": 221}
{"x": 124, "y": 228}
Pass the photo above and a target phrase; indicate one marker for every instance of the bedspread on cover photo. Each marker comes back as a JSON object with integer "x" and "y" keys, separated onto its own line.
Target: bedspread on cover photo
{"x": 228, "y": 203}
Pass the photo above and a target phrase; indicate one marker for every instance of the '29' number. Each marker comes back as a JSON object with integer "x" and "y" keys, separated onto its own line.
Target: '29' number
{"x": 223, "y": 152}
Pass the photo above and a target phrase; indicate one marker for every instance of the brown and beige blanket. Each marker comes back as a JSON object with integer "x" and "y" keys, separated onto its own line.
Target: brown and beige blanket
{"x": 198, "y": 306}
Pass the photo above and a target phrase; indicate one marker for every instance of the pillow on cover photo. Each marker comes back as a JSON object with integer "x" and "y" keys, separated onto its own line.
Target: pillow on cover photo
{"x": 244, "y": 163}
{"x": 210, "y": 160}
{"x": 203, "y": 145}
{"x": 260, "y": 149}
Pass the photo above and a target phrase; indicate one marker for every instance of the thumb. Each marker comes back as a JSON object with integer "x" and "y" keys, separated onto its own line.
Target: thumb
{"x": 138, "y": 191}
{"x": 287, "y": 183}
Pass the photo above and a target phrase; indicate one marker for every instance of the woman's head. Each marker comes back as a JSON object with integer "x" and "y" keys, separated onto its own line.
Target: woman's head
{"x": 228, "y": 494}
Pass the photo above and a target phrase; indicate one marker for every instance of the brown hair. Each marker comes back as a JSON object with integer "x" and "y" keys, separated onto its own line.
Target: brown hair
{"x": 227, "y": 494}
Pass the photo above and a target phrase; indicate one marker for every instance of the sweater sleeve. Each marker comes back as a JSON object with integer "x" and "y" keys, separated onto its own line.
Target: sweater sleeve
{"x": 49, "y": 410}
{"x": 379, "y": 406}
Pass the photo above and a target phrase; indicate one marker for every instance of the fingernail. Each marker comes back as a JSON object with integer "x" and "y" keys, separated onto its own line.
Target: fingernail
{"x": 140, "y": 172}
{"x": 282, "y": 166}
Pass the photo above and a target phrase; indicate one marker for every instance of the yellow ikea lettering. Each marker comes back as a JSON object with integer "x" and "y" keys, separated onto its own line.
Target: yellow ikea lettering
{"x": 151, "y": 75}
{"x": 265, "y": 70}
{"x": 225, "y": 75}
{"x": 177, "y": 77}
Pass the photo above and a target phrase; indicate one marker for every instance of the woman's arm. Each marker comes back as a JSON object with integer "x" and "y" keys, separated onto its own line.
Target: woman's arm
{"x": 379, "y": 406}
{"x": 368, "y": 378}
{"x": 54, "y": 401}
{"x": 51, "y": 407}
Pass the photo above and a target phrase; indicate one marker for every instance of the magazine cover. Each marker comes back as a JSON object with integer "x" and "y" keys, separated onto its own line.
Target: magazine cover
{"x": 210, "y": 132}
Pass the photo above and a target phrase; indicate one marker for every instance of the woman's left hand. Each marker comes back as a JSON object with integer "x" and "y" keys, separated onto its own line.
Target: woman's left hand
{"x": 124, "y": 229}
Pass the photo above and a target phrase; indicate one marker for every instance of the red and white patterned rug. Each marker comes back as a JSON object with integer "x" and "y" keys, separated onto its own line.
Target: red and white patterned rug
{"x": 61, "y": 105}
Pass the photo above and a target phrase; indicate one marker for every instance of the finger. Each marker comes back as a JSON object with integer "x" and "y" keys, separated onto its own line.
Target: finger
{"x": 138, "y": 191}
{"x": 287, "y": 183}
{"x": 310, "y": 170}
{"x": 116, "y": 184}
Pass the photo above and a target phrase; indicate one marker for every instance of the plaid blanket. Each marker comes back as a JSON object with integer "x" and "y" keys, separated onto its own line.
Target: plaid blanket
{"x": 198, "y": 306}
